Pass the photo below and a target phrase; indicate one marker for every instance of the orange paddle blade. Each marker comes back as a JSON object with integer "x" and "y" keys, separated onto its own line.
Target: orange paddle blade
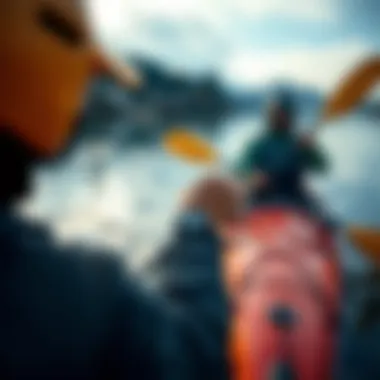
{"x": 190, "y": 147}
{"x": 353, "y": 88}
{"x": 367, "y": 240}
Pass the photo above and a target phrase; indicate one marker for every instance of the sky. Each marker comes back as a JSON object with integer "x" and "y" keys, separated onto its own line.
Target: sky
{"x": 245, "y": 43}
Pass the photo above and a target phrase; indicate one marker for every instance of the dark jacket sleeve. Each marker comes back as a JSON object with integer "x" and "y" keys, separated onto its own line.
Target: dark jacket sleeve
{"x": 178, "y": 330}
{"x": 316, "y": 159}
{"x": 248, "y": 161}
{"x": 189, "y": 276}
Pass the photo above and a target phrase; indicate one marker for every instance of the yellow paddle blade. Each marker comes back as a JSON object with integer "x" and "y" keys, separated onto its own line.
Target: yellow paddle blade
{"x": 353, "y": 88}
{"x": 190, "y": 147}
{"x": 367, "y": 240}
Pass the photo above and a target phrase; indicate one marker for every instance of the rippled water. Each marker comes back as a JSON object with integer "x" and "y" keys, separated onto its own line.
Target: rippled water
{"x": 127, "y": 199}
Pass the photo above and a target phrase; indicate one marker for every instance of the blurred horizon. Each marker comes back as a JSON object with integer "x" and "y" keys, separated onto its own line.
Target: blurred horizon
{"x": 244, "y": 44}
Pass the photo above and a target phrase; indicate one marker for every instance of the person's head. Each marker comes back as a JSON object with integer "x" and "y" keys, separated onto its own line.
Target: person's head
{"x": 47, "y": 59}
{"x": 280, "y": 110}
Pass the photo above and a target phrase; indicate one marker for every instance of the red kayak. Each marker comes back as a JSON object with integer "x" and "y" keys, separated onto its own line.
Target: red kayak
{"x": 283, "y": 276}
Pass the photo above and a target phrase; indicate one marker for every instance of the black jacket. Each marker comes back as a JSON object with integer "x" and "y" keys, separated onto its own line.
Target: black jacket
{"x": 74, "y": 315}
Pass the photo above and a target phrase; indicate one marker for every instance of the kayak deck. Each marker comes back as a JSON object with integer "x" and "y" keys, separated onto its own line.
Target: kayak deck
{"x": 281, "y": 264}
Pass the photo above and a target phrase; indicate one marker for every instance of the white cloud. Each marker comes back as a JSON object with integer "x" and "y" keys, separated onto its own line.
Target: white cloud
{"x": 209, "y": 35}
{"x": 116, "y": 12}
{"x": 320, "y": 67}
{"x": 122, "y": 23}
{"x": 310, "y": 9}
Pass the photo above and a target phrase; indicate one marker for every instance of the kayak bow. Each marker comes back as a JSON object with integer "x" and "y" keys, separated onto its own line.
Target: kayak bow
{"x": 282, "y": 274}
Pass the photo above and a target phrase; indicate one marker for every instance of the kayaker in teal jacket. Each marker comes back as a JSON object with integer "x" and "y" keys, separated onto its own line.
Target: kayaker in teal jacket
{"x": 275, "y": 164}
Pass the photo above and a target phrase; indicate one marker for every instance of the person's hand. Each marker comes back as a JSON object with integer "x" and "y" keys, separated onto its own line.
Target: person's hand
{"x": 221, "y": 199}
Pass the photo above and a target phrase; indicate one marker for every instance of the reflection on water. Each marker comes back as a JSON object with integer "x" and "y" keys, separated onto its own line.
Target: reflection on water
{"x": 127, "y": 198}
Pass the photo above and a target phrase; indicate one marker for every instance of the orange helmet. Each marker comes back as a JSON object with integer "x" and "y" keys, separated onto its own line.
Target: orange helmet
{"x": 46, "y": 61}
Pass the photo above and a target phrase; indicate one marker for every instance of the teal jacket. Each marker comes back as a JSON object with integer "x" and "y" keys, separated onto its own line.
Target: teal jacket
{"x": 283, "y": 158}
